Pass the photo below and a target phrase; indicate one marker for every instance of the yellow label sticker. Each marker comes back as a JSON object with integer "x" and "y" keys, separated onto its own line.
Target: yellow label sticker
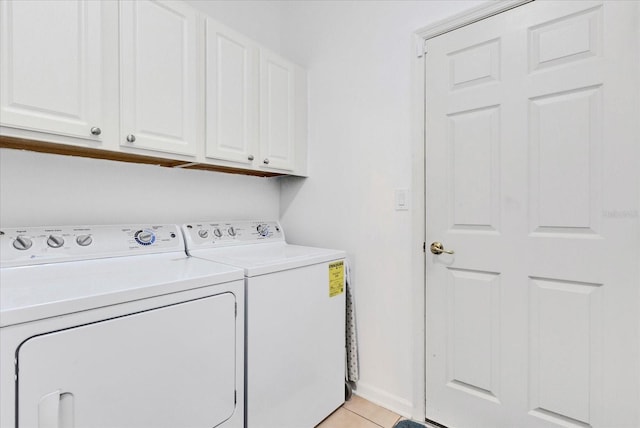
{"x": 336, "y": 278}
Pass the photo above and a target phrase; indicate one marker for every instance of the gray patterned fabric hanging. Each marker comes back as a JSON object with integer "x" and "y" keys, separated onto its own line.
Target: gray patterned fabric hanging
{"x": 351, "y": 337}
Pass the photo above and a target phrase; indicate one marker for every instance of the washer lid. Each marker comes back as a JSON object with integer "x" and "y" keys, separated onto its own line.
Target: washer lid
{"x": 29, "y": 293}
{"x": 261, "y": 259}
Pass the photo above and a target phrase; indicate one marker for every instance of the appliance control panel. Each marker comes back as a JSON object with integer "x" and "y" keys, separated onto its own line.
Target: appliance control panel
{"x": 36, "y": 245}
{"x": 213, "y": 234}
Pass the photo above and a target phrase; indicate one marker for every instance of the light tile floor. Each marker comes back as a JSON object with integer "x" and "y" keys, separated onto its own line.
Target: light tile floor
{"x": 360, "y": 413}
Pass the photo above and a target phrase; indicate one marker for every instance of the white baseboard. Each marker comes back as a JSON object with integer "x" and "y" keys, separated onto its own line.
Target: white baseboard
{"x": 382, "y": 398}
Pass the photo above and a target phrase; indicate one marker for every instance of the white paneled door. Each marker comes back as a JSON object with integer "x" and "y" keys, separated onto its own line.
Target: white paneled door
{"x": 533, "y": 177}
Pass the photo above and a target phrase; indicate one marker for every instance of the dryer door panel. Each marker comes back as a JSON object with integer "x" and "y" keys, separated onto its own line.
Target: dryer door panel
{"x": 169, "y": 367}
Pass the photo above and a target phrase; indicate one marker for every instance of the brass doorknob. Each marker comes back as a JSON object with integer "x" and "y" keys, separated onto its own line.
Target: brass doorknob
{"x": 438, "y": 248}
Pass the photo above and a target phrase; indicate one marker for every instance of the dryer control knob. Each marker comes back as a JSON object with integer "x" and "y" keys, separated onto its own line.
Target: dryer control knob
{"x": 263, "y": 230}
{"x": 22, "y": 243}
{"x": 217, "y": 232}
{"x": 145, "y": 237}
{"x": 203, "y": 233}
{"x": 231, "y": 231}
{"x": 84, "y": 240}
{"x": 55, "y": 241}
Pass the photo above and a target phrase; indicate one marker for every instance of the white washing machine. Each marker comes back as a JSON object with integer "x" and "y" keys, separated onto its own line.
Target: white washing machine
{"x": 295, "y": 320}
{"x": 115, "y": 326}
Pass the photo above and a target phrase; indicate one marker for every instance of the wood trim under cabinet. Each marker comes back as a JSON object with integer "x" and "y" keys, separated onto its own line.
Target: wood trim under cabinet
{"x": 87, "y": 152}
{"x": 231, "y": 170}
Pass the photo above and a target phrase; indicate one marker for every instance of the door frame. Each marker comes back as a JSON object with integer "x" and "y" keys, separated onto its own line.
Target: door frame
{"x": 419, "y": 200}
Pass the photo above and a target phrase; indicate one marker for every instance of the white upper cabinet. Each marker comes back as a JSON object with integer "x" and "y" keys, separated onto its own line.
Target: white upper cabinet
{"x": 158, "y": 74}
{"x": 51, "y": 67}
{"x": 255, "y": 105}
{"x": 231, "y": 95}
{"x": 277, "y": 111}
{"x": 149, "y": 78}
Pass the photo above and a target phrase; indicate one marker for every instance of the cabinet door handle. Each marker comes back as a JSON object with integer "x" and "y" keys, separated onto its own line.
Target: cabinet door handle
{"x": 131, "y": 138}
{"x": 250, "y": 157}
{"x": 96, "y": 131}
{"x": 266, "y": 161}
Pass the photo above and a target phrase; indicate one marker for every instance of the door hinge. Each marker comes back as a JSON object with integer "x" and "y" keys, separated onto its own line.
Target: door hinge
{"x": 424, "y": 247}
{"x": 235, "y": 397}
{"x": 236, "y": 309}
{"x": 421, "y": 48}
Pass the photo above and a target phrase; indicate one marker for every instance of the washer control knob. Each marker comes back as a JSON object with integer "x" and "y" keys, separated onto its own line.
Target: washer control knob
{"x": 84, "y": 240}
{"x": 217, "y": 232}
{"x": 231, "y": 231}
{"x": 203, "y": 233}
{"x": 145, "y": 237}
{"x": 22, "y": 243}
{"x": 263, "y": 229}
{"x": 55, "y": 241}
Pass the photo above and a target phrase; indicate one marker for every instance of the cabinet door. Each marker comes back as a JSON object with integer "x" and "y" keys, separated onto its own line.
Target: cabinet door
{"x": 277, "y": 112}
{"x": 51, "y": 67}
{"x": 232, "y": 99}
{"x": 158, "y": 76}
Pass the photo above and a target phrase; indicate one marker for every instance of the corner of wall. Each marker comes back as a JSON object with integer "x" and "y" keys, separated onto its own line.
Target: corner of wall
{"x": 382, "y": 398}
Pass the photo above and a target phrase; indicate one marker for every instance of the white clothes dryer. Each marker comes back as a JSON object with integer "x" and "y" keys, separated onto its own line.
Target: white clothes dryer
{"x": 295, "y": 320}
{"x": 115, "y": 326}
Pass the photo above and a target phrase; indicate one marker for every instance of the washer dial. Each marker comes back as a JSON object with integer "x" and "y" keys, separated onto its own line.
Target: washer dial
{"x": 22, "y": 243}
{"x": 203, "y": 233}
{"x": 55, "y": 241}
{"x": 145, "y": 237}
{"x": 84, "y": 240}
{"x": 263, "y": 229}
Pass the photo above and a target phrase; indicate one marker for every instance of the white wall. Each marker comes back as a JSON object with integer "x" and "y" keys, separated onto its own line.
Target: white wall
{"x": 359, "y": 56}
{"x": 44, "y": 189}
